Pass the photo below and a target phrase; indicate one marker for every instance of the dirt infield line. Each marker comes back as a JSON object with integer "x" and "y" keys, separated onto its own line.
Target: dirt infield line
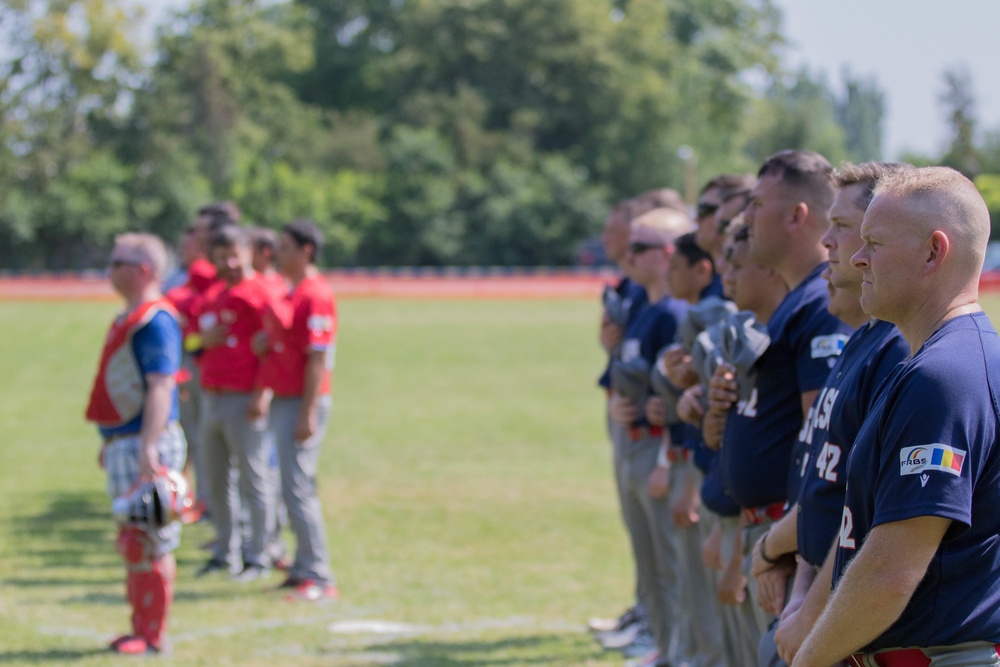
{"x": 350, "y": 286}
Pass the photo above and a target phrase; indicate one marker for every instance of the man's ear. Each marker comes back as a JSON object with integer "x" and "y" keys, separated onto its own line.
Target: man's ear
{"x": 936, "y": 249}
{"x": 799, "y": 215}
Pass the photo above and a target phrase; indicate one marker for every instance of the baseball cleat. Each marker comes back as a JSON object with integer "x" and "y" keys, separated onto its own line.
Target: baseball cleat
{"x": 601, "y": 625}
{"x": 643, "y": 644}
{"x": 213, "y": 565}
{"x": 252, "y": 573}
{"x": 311, "y": 591}
{"x": 136, "y": 645}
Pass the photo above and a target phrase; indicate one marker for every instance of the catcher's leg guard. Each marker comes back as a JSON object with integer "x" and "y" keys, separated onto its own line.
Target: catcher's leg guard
{"x": 150, "y": 594}
{"x": 149, "y": 585}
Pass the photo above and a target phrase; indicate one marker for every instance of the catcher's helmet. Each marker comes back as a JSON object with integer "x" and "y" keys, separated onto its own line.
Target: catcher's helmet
{"x": 156, "y": 503}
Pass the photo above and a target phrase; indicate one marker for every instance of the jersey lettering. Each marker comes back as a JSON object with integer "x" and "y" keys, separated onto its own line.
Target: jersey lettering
{"x": 826, "y": 462}
{"x": 748, "y": 408}
{"x": 826, "y": 403}
{"x": 806, "y": 434}
{"x": 846, "y": 528}
{"x": 631, "y": 349}
{"x": 819, "y": 413}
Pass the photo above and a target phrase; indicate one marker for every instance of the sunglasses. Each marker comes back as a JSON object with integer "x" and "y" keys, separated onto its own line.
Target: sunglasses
{"x": 118, "y": 263}
{"x": 638, "y": 247}
{"x": 705, "y": 209}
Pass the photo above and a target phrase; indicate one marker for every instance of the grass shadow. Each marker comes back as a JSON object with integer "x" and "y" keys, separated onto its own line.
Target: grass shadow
{"x": 56, "y": 656}
{"x": 543, "y": 649}
{"x": 77, "y": 519}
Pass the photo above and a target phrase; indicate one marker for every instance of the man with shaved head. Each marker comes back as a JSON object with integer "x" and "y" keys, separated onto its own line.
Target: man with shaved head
{"x": 917, "y": 569}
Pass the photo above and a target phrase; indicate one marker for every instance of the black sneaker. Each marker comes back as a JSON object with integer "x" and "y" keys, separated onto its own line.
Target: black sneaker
{"x": 214, "y": 565}
{"x": 252, "y": 572}
{"x": 291, "y": 582}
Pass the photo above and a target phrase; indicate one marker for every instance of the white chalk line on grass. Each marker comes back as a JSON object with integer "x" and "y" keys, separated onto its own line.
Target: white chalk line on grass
{"x": 383, "y": 630}
{"x": 380, "y": 627}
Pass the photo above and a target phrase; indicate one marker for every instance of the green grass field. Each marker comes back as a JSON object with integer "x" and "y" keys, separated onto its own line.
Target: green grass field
{"x": 465, "y": 478}
{"x": 466, "y": 481}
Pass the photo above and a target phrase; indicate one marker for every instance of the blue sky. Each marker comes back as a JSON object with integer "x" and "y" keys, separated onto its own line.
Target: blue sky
{"x": 906, "y": 45}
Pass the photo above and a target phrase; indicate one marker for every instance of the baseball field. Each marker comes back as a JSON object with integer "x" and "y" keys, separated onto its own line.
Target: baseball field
{"x": 465, "y": 479}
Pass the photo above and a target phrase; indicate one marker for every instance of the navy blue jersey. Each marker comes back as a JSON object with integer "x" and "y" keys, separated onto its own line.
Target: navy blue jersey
{"x": 714, "y": 288}
{"x": 634, "y": 298}
{"x": 829, "y": 431}
{"x": 653, "y": 328}
{"x": 701, "y": 454}
{"x": 713, "y": 495}
{"x": 157, "y": 349}
{"x": 760, "y": 432}
{"x": 929, "y": 448}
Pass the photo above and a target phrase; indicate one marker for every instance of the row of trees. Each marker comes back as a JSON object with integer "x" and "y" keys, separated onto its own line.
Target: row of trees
{"x": 416, "y": 132}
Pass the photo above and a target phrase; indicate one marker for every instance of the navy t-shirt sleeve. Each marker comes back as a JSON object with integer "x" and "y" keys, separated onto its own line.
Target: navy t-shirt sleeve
{"x": 924, "y": 468}
{"x": 818, "y": 340}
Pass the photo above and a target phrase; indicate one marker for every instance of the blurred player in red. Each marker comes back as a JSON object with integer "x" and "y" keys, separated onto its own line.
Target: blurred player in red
{"x": 233, "y": 428}
{"x": 298, "y": 352}
{"x": 188, "y": 298}
{"x": 265, "y": 244}
{"x": 134, "y": 404}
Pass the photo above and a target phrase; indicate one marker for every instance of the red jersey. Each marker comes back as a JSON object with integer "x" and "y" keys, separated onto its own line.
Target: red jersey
{"x": 275, "y": 284}
{"x": 304, "y": 321}
{"x": 188, "y": 302}
{"x": 201, "y": 274}
{"x": 232, "y": 365}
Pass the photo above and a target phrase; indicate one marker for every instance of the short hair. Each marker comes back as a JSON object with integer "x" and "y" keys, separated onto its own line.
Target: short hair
{"x": 222, "y": 208}
{"x": 687, "y": 247}
{"x": 808, "y": 173}
{"x": 945, "y": 194}
{"x": 727, "y": 184}
{"x": 229, "y": 236}
{"x": 263, "y": 238}
{"x": 220, "y": 214}
{"x": 303, "y": 232}
{"x": 867, "y": 174}
{"x": 669, "y": 223}
{"x": 621, "y": 209}
{"x": 148, "y": 247}
{"x": 661, "y": 198}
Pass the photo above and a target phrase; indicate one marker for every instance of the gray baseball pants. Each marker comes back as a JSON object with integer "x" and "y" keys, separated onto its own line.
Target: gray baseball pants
{"x": 230, "y": 440}
{"x": 654, "y": 544}
{"x": 297, "y": 462}
{"x": 619, "y": 442}
{"x": 741, "y": 637}
{"x": 702, "y": 646}
{"x": 189, "y": 409}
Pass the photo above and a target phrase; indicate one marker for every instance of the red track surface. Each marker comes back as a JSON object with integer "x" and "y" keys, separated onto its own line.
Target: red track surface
{"x": 567, "y": 285}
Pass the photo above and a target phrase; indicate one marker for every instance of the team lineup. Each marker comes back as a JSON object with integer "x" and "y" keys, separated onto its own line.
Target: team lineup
{"x": 807, "y": 476}
{"x": 800, "y": 403}
{"x": 252, "y": 352}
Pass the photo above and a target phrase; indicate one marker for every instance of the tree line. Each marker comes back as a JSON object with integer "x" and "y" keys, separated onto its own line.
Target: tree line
{"x": 414, "y": 132}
